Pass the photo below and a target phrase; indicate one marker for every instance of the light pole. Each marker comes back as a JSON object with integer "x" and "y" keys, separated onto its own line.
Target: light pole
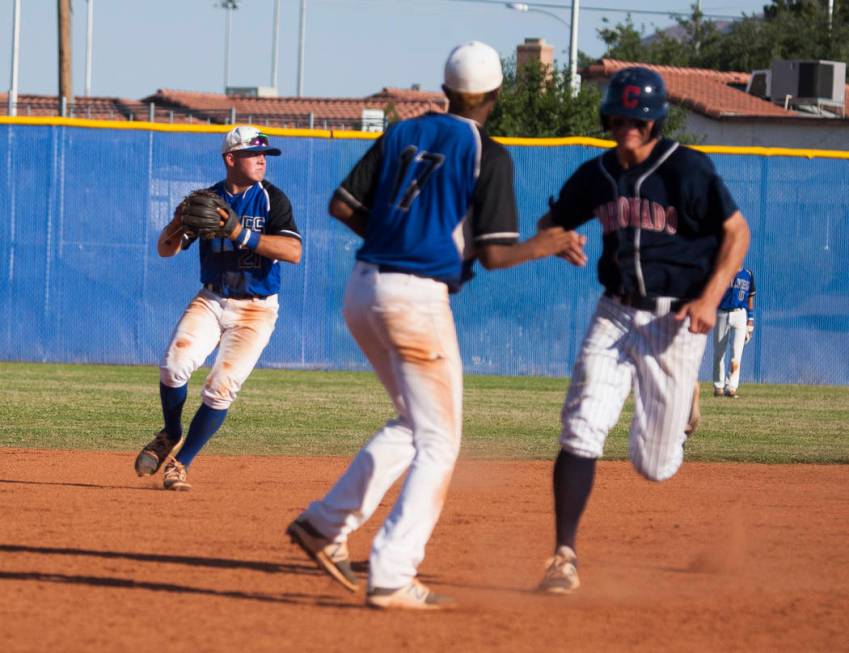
{"x": 228, "y": 6}
{"x": 301, "y": 38}
{"x": 275, "y": 48}
{"x": 574, "y": 79}
{"x": 88, "y": 41}
{"x": 16, "y": 42}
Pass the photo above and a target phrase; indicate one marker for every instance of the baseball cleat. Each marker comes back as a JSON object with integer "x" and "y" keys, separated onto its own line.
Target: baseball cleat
{"x": 561, "y": 573}
{"x": 414, "y": 596}
{"x": 731, "y": 394}
{"x": 175, "y": 476}
{"x": 155, "y": 453}
{"x": 331, "y": 557}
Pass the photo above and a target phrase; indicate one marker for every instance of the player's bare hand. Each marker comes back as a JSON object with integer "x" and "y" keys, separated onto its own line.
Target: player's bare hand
{"x": 574, "y": 250}
{"x": 702, "y": 315}
{"x": 552, "y": 240}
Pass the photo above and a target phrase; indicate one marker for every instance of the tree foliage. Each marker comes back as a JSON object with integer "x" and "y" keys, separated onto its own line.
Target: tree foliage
{"x": 787, "y": 29}
{"x": 536, "y": 102}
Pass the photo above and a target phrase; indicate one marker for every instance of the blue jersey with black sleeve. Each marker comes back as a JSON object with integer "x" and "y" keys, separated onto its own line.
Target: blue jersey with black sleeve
{"x": 234, "y": 271}
{"x": 432, "y": 185}
{"x": 737, "y": 295}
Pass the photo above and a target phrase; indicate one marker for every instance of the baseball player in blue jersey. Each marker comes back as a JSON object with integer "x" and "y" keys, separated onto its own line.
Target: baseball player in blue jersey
{"x": 432, "y": 193}
{"x": 672, "y": 240}
{"x": 235, "y": 310}
{"x": 735, "y": 324}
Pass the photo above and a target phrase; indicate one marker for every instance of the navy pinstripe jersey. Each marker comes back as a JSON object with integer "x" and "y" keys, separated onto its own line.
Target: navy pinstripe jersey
{"x": 742, "y": 287}
{"x": 432, "y": 184}
{"x": 662, "y": 220}
{"x": 240, "y": 271}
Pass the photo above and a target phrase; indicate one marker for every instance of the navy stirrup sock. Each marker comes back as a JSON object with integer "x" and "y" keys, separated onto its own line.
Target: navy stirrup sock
{"x": 172, "y": 408}
{"x": 204, "y": 425}
{"x": 573, "y": 481}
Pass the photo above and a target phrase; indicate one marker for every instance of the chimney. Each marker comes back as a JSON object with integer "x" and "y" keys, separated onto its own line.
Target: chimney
{"x": 534, "y": 50}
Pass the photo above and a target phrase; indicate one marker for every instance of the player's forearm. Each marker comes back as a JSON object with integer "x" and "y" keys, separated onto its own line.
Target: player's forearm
{"x": 170, "y": 239}
{"x": 355, "y": 219}
{"x": 732, "y": 251}
{"x": 281, "y": 248}
{"x": 499, "y": 257}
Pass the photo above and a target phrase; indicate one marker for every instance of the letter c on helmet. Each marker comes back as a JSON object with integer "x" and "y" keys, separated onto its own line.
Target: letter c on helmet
{"x": 630, "y": 96}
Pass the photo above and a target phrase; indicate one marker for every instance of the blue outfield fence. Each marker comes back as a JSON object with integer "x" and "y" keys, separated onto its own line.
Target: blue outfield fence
{"x": 83, "y": 283}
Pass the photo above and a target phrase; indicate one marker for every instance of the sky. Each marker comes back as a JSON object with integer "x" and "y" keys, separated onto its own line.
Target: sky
{"x": 352, "y": 48}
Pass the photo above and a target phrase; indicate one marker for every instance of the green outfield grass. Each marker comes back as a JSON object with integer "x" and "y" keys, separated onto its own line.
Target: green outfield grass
{"x": 332, "y": 413}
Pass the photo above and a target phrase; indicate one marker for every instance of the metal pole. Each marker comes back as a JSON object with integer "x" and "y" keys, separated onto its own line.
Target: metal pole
{"x": 301, "y": 39}
{"x": 226, "y": 48}
{"x": 574, "y": 80}
{"x": 16, "y": 42}
{"x": 88, "y": 48}
{"x": 830, "y": 13}
{"x": 275, "y": 46}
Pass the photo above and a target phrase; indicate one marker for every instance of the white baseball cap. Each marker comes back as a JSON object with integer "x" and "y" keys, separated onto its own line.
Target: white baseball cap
{"x": 473, "y": 67}
{"x": 247, "y": 139}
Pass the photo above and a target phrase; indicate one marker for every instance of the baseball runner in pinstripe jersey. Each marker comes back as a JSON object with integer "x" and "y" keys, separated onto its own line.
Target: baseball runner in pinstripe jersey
{"x": 431, "y": 193}
{"x": 672, "y": 240}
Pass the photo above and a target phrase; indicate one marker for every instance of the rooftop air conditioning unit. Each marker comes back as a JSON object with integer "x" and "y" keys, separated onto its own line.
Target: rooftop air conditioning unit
{"x": 759, "y": 84}
{"x": 251, "y": 91}
{"x": 372, "y": 120}
{"x": 808, "y": 82}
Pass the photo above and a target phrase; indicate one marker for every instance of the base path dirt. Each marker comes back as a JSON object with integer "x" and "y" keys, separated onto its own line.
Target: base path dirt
{"x": 722, "y": 557}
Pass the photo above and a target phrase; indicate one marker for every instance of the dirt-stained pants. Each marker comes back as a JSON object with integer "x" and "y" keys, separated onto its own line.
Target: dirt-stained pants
{"x": 404, "y": 325}
{"x": 241, "y": 328}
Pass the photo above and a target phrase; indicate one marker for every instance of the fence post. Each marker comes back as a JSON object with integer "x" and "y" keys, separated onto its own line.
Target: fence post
{"x": 151, "y": 112}
{"x": 232, "y": 115}
{"x": 63, "y": 106}
{"x": 311, "y": 120}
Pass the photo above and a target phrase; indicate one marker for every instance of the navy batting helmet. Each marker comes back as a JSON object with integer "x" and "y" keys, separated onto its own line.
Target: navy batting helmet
{"x": 637, "y": 93}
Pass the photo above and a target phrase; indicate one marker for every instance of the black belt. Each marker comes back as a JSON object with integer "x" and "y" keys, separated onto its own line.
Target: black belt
{"x": 644, "y": 303}
{"x": 218, "y": 289}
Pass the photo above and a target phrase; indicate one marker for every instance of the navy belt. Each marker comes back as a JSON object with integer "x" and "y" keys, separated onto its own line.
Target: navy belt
{"x": 218, "y": 289}
{"x": 643, "y": 303}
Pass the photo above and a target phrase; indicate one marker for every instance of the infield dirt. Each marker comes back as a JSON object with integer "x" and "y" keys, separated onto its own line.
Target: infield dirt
{"x": 725, "y": 557}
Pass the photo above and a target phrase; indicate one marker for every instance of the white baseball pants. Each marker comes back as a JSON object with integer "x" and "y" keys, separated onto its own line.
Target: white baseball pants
{"x": 730, "y": 326}
{"x": 240, "y": 328}
{"x": 652, "y": 353}
{"x": 405, "y": 327}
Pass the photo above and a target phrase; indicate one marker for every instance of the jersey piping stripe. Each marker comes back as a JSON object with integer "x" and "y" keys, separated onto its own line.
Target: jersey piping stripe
{"x": 478, "y": 145}
{"x": 499, "y": 234}
{"x": 267, "y": 198}
{"x": 638, "y": 267}
{"x": 286, "y": 232}
{"x": 349, "y": 199}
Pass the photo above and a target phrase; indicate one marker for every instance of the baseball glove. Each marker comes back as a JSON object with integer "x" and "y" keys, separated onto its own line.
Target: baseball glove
{"x": 206, "y": 214}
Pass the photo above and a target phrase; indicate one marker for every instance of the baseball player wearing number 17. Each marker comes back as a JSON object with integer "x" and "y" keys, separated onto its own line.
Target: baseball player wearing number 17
{"x": 672, "y": 240}
{"x": 245, "y": 227}
{"x": 431, "y": 193}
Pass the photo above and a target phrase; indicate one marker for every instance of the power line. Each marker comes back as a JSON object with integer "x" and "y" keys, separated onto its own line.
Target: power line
{"x": 649, "y": 12}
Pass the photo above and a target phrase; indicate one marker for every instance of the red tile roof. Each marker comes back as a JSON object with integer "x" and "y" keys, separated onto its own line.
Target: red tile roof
{"x": 95, "y": 108}
{"x": 327, "y": 112}
{"x": 708, "y": 92}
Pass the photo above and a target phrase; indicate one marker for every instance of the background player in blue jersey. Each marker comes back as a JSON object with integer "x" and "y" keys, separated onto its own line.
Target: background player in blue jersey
{"x": 235, "y": 310}
{"x": 672, "y": 240}
{"x": 431, "y": 193}
{"x": 735, "y": 324}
